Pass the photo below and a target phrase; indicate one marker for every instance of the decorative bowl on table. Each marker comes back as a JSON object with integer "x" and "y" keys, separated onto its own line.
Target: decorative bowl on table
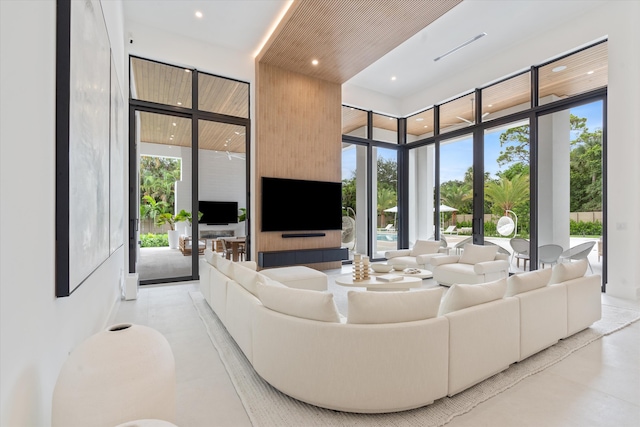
{"x": 399, "y": 267}
{"x": 381, "y": 268}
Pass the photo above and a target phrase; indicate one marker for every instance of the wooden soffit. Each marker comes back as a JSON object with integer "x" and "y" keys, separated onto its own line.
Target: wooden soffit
{"x": 345, "y": 36}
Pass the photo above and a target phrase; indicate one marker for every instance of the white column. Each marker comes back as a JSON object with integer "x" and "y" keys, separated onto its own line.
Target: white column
{"x": 553, "y": 179}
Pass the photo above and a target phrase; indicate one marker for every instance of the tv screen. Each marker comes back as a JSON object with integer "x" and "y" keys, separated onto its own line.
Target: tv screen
{"x": 218, "y": 212}
{"x": 298, "y": 205}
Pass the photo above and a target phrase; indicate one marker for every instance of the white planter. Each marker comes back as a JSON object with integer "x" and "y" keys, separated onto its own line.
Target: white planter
{"x": 124, "y": 373}
{"x": 173, "y": 238}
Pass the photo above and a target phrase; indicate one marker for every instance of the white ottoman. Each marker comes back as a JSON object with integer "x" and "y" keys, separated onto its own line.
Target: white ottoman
{"x": 299, "y": 277}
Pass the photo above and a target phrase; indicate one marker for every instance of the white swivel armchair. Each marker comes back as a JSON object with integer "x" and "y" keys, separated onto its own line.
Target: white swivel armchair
{"x": 477, "y": 264}
{"x": 417, "y": 257}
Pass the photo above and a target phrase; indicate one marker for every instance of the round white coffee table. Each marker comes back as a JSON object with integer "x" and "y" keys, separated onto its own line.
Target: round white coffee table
{"x": 374, "y": 284}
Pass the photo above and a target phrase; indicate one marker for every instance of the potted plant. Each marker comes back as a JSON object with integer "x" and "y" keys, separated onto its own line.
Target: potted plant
{"x": 243, "y": 215}
{"x": 173, "y": 234}
{"x": 184, "y": 216}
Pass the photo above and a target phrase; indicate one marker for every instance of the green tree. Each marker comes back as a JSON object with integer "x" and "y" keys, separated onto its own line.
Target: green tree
{"x": 586, "y": 171}
{"x": 507, "y": 194}
{"x": 157, "y": 179}
{"x": 386, "y": 199}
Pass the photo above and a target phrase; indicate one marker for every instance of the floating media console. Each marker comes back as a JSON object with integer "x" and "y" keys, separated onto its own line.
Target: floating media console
{"x": 303, "y": 256}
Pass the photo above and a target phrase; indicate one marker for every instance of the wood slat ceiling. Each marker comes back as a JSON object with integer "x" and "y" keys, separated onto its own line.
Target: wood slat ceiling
{"x": 169, "y": 85}
{"x": 346, "y": 36}
{"x": 160, "y": 129}
{"x": 586, "y": 70}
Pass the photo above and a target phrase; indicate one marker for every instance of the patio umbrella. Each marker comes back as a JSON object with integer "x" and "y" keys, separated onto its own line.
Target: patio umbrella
{"x": 395, "y": 212}
{"x": 445, "y": 208}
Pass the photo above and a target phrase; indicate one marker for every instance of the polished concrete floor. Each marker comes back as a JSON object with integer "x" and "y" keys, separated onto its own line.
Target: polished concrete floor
{"x": 598, "y": 385}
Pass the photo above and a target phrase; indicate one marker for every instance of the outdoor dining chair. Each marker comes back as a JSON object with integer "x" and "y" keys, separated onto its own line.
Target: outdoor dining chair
{"x": 549, "y": 254}
{"x": 520, "y": 248}
{"x": 578, "y": 252}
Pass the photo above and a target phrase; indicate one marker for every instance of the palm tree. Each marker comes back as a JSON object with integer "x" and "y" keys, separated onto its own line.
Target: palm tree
{"x": 387, "y": 198}
{"x": 456, "y": 196}
{"x": 506, "y": 194}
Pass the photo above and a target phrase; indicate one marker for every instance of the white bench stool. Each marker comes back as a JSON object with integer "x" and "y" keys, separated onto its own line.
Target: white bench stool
{"x": 299, "y": 277}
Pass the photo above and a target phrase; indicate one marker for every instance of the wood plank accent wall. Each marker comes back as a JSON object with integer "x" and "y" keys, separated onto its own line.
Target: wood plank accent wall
{"x": 298, "y": 135}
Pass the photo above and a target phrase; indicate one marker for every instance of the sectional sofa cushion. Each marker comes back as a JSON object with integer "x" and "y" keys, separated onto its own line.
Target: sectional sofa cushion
{"x": 525, "y": 282}
{"x": 463, "y": 296}
{"x": 474, "y": 254}
{"x": 393, "y": 307}
{"x": 303, "y": 303}
{"x": 423, "y": 247}
{"x": 568, "y": 271}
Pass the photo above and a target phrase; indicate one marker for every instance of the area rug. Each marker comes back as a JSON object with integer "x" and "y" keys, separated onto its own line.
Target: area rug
{"x": 268, "y": 407}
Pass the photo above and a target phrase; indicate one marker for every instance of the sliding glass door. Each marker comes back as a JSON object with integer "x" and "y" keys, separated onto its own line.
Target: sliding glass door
{"x": 164, "y": 164}
{"x": 506, "y": 190}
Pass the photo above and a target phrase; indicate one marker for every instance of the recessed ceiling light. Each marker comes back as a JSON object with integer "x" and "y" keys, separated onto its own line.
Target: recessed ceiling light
{"x": 314, "y": 62}
{"x": 426, "y": 126}
{"x": 198, "y": 14}
{"x": 393, "y": 77}
{"x": 172, "y": 136}
{"x": 419, "y": 119}
{"x": 590, "y": 72}
{"x": 187, "y": 71}
{"x": 490, "y": 105}
{"x": 559, "y": 68}
{"x": 170, "y": 139}
{"x": 173, "y": 123}
{"x": 179, "y": 103}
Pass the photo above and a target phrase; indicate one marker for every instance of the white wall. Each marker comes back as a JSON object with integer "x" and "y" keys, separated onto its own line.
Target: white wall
{"x": 38, "y": 330}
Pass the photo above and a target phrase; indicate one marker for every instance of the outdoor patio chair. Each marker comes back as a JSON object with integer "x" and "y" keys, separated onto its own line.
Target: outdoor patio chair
{"x": 451, "y": 230}
{"x": 549, "y": 254}
{"x": 578, "y": 252}
{"x": 520, "y": 248}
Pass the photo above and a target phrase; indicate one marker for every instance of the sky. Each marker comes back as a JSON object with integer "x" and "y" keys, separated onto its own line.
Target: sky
{"x": 456, "y": 157}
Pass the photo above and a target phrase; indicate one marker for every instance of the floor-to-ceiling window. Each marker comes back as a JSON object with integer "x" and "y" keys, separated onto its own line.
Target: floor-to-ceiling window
{"x": 188, "y": 140}
{"x": 542, "y": 130}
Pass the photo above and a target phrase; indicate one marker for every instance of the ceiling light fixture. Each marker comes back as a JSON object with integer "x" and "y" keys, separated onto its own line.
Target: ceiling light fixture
{"x": 314, "y": 62}
{"x": 198, "y": 14}
{"x": 173, "y": 123}
{"x": 419, "y": 119}
{"x": 179, "y": 103}
{"x": 468, "y": 42}
{"x": 590, "y": 72}
{"x": 393, "y": 78}
{"x": 559, "y": 68}
{"x": 187, "y": 71}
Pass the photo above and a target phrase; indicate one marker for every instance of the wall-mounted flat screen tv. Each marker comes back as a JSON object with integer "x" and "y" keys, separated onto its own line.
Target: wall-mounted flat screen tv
{"x": 299, "y": 205}
{"x": 217, "y": 213}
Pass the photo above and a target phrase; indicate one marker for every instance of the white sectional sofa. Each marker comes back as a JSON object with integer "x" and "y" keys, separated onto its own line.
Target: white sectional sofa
{"x": 395, "y": 350}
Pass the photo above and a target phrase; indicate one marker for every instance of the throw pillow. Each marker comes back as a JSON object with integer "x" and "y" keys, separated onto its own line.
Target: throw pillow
{"x": 525, "y": 282}
{"x": 225, "y": 266}
{"x": 474, "y": 254}
{"x": 568, "y": 271}
{"x": 303, "y": 303}
{"x": 246, "y": 277}
{"x": 393, "y": 307}
{"x": 210, "y": 257}
{"x": 463, "y": 296}
{"x": 423, "y": 247}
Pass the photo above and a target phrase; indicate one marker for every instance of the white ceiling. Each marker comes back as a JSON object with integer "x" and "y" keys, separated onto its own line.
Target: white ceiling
{"x": 243, "y": 24}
